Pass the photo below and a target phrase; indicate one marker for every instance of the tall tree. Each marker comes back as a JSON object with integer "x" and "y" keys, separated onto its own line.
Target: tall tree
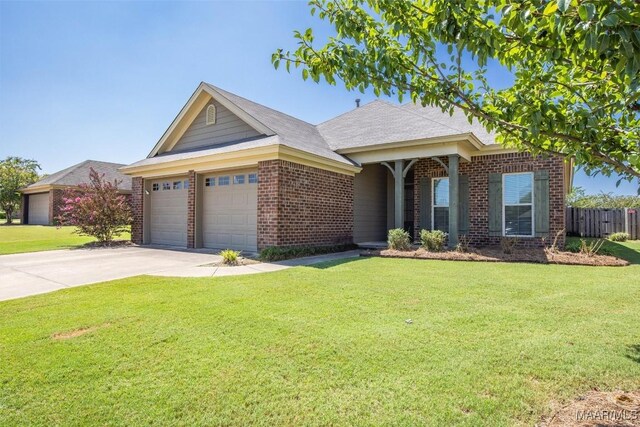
{"x": 575, "y": 67}
{"x": 15, "y": 173}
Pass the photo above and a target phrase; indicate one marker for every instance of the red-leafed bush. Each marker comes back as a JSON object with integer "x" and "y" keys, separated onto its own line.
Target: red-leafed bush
{"x": 96, "y": 209}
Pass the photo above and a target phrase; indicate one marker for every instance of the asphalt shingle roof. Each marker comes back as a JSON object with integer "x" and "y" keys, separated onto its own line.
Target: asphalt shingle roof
{"x": 378, "y": 122}
{"x": 292, "y": 132}
{"x": 78, "y": 174}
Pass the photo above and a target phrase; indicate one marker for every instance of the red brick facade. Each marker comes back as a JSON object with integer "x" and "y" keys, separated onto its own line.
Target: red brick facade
{"x": 301, "y": 205}
{"x": 137, "y": 209}
{"x": 478, "y": 171}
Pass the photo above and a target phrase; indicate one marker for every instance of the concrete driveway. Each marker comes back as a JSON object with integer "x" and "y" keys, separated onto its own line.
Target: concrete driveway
{"x": 39, "y": 272}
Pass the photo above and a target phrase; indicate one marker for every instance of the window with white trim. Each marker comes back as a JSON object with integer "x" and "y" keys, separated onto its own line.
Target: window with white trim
{"x": 155, "y": 186}
{"x": 166, "y": 186}
{"x": 238, "y": 179}
{"x": 440, "y": 205}
{"x": 223, "y": 180}
{"x": 253, "y": 178}
{"x": 517, "y": 204}
{"x": 177, "y": 185}
{"x": 211, "y": 115}
{"x": 185, "y": 184}
{"x": 210, "y": 182}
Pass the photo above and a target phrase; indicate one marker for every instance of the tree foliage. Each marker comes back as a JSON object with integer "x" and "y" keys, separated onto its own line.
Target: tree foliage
{"x": 97, "y": 209}
{"x": 579, "y": 199}
{"x": 575, "y": 66}
{"x": 15, "y": 173}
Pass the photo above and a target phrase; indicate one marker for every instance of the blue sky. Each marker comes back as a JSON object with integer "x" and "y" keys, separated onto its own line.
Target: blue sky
{"x": 103, "y": 80}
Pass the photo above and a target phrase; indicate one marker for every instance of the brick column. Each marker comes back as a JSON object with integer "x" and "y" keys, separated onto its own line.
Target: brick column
{"x": 55, "y": 204}
{"x": 137, "y": 209}
{"x": 24, "y": 209}
{"x": 191, "y": 211}
{"x": 268, "y": 172}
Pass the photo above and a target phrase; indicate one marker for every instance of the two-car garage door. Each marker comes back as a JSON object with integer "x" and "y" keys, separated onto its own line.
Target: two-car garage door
{"x": 228, "y": 217}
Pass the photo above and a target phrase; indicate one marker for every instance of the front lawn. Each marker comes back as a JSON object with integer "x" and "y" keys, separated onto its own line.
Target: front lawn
{"x": 358, "y": 342}
{"x": 16, "y": 239}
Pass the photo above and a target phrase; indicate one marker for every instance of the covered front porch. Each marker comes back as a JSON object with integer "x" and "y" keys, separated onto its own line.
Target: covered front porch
{"x": 390, "y": 194}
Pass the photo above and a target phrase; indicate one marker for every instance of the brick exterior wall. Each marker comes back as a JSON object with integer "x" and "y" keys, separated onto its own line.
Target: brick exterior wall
{"x": 478, "y": 171}
{"x": 55, "y": 204}
{"x": 137, "y": 209}
{"x": 303, "y": 206}
{"x": 191, "y": 211}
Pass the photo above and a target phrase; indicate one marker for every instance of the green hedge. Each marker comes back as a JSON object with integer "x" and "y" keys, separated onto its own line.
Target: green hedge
{"x": 282, "y": 253}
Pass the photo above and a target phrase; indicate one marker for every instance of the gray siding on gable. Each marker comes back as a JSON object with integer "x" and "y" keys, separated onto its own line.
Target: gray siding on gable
{"x": 228, "y": 128}
{"x": 370, "y": 204}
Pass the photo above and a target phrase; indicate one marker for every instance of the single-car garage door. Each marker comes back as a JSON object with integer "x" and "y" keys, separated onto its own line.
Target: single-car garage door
{"x": 38, "y": 211}
{"x": 230, "y": 211}
{"x": 168, "y": 211}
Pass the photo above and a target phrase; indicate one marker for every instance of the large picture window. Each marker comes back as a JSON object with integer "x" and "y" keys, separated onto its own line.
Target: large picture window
{"x": 517, "y": 204}
{"x": 440, "y": 213}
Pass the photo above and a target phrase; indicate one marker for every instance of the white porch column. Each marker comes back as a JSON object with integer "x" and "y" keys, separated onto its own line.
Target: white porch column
{"x": 399, "y": 194}
{"x": 453, "y": 200}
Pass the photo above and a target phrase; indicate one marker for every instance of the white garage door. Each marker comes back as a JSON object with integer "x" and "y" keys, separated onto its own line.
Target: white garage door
{"x": 38, "y": 212}
{"x": 230, "y": 211}
{"x": 168, "y": 211}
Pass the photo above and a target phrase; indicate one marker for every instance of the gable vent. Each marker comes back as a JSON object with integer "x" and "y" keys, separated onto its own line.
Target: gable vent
{"x": 211, "y": 115}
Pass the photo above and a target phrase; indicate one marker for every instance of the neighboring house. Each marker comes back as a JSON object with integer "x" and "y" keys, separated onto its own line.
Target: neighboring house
{"x": 231, "y": 173}
{"x": 41, "y": 201}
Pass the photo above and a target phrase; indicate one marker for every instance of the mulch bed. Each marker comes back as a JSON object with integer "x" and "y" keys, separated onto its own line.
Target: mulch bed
{"x": 598, "y": 409}
{"x": 112, "y": 244}
{"x": 493, "y": 254}
{"x": 241, "y": 261}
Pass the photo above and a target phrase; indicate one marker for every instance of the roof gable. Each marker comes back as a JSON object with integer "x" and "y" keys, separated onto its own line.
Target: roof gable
{"x": 227, "y": 128}
{"x": 79, "y": 174}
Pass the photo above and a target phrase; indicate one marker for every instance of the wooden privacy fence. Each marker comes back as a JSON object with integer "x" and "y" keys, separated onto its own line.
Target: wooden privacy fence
{"x": 586, "y": 222}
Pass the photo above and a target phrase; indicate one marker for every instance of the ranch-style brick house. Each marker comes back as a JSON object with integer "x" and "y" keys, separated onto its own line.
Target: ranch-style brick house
{"x": 42, "y": 200}
{"x": 231, "y": 173}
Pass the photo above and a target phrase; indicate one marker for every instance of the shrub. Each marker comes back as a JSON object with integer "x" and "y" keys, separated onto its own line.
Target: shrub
{"x": 463, "y": 243}
{"x": 399, "y": 239}
{"x": 619, "y": 237}
{"x": 279, "y": 253}
{"x": 433, "y": 240}
{"x": 588, "y": 248}
{"x": 508, "y": 244}
{"x": 230, "y": 257}
{"x": 96, "y": 209}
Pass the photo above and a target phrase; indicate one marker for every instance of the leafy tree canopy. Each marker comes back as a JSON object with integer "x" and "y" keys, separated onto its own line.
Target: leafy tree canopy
{"x": 576, "y": 67}
{"x": 15, "y": 173}
{"x": 579, "y": 199}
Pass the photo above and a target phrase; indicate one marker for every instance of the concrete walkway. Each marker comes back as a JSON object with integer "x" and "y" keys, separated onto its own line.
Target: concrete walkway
{"x": 34, "y": 273}
{"x": 263, "y": 267}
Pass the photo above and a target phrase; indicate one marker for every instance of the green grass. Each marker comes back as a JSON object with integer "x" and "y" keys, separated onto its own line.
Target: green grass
{"x": 489, "y": 344}
{"x": 16, "y": 239}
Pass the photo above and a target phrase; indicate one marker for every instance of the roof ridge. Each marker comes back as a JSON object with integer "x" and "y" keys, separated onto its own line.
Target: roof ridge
{"x": 353, "y": 110}
{"x": 257, "y": 103}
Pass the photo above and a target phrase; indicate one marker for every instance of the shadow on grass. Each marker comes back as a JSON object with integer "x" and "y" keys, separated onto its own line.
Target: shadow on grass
{"x": 624, "y": 252}
{"x": 634, "y": 353}
{"x": 334, "y": 263}
{"x": 617, "y": 249}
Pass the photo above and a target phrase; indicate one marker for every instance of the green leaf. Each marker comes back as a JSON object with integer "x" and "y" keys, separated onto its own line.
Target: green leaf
{"x": 550, "y": 9}
{"x": 563, "y": 5}
{"x": 611, "y": 20}
{"x": 587, "y": 11}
